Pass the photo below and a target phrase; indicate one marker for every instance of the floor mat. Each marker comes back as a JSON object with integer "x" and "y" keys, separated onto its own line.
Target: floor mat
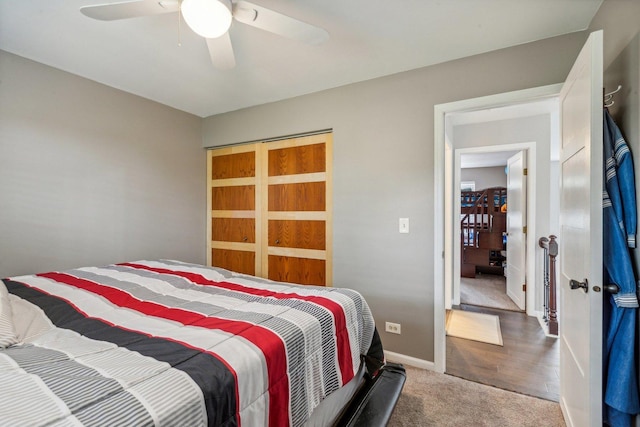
{"x": 474, "y": 326}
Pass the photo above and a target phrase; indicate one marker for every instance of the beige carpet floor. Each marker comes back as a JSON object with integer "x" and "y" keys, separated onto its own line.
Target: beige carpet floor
{"x": 474, "y": 326}
{"x": 432, "y": 399}
{"x": 486, "y": 290}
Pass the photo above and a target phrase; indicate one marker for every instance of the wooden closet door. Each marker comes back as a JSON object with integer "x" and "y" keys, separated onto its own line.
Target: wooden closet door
{"x": 296, "y": 217}
{"x": 233, "y": 201}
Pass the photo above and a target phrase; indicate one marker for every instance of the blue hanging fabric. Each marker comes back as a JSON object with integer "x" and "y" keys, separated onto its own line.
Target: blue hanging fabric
{"x": 619, "y": 227}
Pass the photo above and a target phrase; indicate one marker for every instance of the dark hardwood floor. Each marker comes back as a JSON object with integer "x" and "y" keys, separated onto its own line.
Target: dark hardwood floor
{"x": 528, "y": 362}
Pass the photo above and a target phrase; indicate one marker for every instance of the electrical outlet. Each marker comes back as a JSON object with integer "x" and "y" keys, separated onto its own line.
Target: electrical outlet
{"x": 393, "y": 328}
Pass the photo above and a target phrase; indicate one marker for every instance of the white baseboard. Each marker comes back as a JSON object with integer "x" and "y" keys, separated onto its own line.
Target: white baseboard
{"x": 409, "y": 360}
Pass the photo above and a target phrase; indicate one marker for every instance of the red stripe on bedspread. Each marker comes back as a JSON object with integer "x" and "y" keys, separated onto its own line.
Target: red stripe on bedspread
{"x": 267, "y": 341}
{"x": 342, "y": 334}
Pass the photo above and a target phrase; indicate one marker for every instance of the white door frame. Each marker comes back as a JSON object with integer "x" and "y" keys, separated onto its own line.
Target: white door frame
{"x": 443, "y": 261}
{"x": 530, "y": 263}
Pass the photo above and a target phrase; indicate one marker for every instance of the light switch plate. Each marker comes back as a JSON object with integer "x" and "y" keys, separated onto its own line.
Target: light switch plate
{"x": 404, "y": 225}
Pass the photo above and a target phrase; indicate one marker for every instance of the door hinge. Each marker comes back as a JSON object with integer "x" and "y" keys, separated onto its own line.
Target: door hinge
{"x": 525, "y": 171}
{"x": 524, "y": 287}
{"x": 524, "y": 229}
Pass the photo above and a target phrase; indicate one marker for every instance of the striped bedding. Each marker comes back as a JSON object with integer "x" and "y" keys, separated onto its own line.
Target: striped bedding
{"x": 169, "y": 343}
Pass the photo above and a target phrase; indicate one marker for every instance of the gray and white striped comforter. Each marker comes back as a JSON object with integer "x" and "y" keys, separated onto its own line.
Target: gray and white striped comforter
{"x": 167, "y": 343}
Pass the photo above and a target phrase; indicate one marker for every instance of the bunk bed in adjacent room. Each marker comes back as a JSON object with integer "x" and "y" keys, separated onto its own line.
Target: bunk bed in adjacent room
{"x": 483, "y": 226}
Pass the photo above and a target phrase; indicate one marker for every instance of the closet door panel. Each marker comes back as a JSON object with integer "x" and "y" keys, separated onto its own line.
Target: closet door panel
{"x": 233, "y": 202}
{"x": 297, "y": 160}
{"x": 298, "y": 208}
{"x": 240, "y": 165}
{"x": 302, "y": 234}
{"x": 303, "y": 271}
{"x": 240, "y": 261}
{"x": 305, "y": 196}
{"x": 234, "y": 229}
{"x": 237, "y": 197}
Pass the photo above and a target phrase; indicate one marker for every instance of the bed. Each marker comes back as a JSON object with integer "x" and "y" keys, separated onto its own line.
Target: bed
{"x": 170, "y": 343}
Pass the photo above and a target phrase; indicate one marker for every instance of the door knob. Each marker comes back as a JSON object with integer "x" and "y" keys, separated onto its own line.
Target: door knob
{"x": 574, "y": 284}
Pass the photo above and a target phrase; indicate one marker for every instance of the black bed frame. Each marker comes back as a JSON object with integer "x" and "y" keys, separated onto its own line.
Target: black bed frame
{"x": 374, "y": 402}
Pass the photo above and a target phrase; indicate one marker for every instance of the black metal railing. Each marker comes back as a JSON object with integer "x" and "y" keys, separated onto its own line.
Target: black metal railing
{"x": 550, "y": 315}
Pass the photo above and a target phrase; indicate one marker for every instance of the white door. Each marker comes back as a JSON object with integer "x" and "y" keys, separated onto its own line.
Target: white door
{"x": 516, "y": 221}
{"x": 580, "y": 242}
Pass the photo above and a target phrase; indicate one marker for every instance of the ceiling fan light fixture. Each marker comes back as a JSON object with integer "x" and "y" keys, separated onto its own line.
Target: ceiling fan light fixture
{"x": 207, "y": 18}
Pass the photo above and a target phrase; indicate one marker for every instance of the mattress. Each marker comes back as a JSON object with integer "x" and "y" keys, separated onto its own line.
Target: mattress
{"x": 171, "y": 343}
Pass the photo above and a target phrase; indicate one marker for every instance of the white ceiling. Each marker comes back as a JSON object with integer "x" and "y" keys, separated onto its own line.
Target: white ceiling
{"x": 368, "y": 39}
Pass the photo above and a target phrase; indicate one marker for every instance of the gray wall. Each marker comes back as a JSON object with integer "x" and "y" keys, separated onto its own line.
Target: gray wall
{"x": 485, "y": 177}
{"x": 91, "y": 175}
{"x": 383, "y": 168}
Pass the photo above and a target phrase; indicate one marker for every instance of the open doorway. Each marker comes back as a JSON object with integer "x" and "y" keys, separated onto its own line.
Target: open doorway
{"x": 491, "y": 264}
{"x": 525, "y": 129}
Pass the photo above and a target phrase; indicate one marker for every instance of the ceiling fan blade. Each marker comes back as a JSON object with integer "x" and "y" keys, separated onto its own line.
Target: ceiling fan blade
{"x": 277, "y": 23}
{"x": 221, "y": 52}
{"x": 129, "y": 9}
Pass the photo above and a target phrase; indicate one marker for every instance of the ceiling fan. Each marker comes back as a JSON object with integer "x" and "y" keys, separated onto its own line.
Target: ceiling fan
{"x": 212, "y": 19}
